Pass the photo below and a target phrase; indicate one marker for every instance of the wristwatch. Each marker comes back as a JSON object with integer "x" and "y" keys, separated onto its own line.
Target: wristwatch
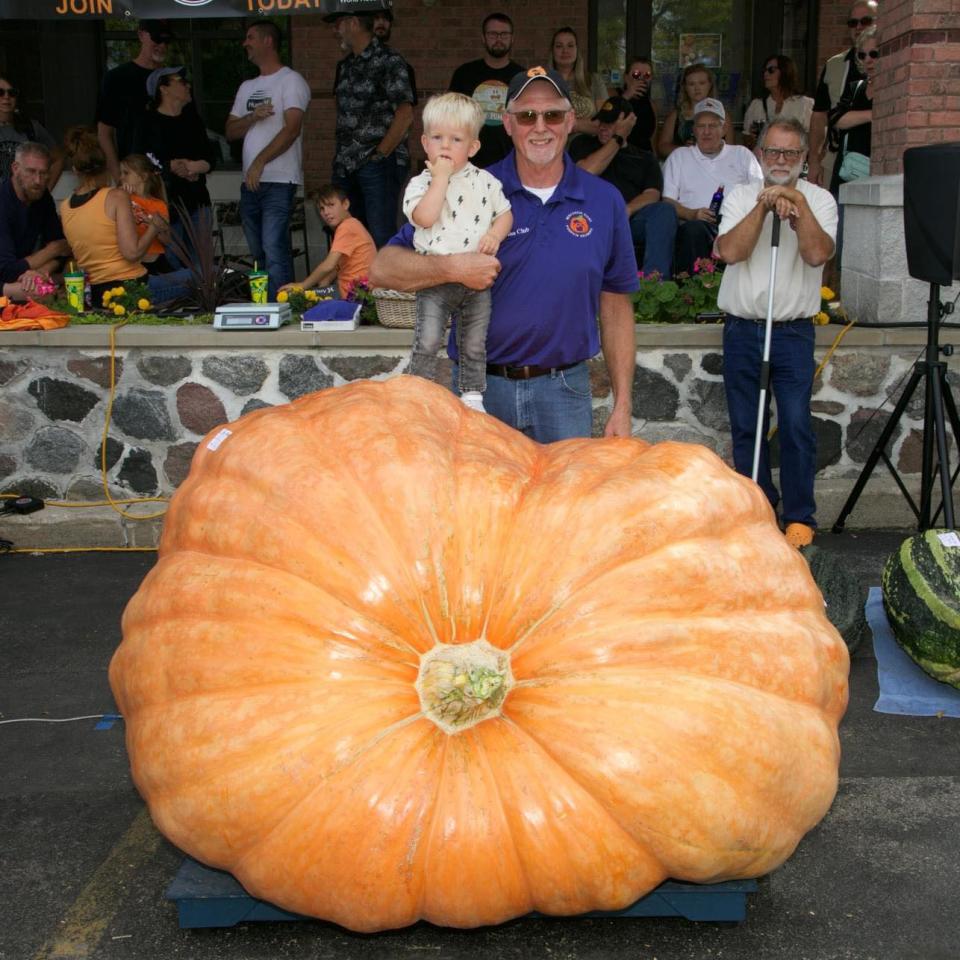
{"x": 619, "y": 139}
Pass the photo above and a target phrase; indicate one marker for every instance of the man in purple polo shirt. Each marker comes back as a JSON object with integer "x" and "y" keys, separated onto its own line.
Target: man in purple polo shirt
{"x": 567, "y": 260}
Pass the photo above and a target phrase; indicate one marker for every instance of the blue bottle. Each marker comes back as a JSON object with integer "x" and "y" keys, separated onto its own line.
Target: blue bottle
{"x": 716, "y": 202}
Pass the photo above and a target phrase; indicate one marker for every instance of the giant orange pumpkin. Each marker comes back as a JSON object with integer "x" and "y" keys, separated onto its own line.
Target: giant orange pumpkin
{"x": 398, "y": 661}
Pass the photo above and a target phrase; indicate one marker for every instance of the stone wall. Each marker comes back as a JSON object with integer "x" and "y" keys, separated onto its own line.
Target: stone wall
{"x": 173, "y": 385}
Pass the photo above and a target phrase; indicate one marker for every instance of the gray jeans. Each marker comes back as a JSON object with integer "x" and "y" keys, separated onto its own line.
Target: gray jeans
{"x": 471, "y": 312}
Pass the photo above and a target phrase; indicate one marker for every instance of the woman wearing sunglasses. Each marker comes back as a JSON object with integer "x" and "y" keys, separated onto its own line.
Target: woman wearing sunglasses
{"x": 17, "y": 128}
{"x": 636, "y": 89}
{"x": 853, "y": 115}
{"x": 782, "y": 98}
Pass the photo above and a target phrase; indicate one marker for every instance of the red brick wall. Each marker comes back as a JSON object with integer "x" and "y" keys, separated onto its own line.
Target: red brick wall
{"x": 918, "y": 93}
{"x": 833, "y": 34}
{"x": 436, "y": 38}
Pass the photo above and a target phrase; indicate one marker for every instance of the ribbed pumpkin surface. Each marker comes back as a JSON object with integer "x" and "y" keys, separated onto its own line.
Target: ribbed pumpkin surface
{"x": 669, "y": 709}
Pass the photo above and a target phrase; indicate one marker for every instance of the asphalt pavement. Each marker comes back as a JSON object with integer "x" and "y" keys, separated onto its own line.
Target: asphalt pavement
{"x": 84, "y": 872}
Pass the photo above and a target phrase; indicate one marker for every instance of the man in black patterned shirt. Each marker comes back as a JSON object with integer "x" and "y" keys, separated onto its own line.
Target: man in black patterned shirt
{"x": 374, "y": 112}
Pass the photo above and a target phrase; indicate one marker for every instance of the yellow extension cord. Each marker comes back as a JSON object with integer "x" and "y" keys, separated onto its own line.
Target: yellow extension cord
{"x": 126, "y": 514}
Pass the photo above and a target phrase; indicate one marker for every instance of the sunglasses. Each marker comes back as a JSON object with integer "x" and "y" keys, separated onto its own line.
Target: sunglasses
{"x": 640, "y": 75}
{"x": 9, "y": 92}
{"x": 872, "y": 54}
{"x": 527, "y": 118}
{"x": 161, "y": 37}
{"x": 860, "y": 22}
{"x": 771, "y": 153}
{"x": 771, "y": 69}
{"x": 499, "y": 34}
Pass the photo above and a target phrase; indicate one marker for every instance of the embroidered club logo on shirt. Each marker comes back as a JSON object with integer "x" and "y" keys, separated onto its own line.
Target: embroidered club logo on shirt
{"x": 579, "y": 224}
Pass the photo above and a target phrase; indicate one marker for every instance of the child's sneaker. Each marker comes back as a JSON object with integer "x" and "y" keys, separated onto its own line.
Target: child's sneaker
{"x": 798, "y": 534}
{"x": 473, "y": 400}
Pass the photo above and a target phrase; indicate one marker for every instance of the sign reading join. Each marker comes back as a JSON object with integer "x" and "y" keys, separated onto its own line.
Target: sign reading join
{"x": 54, "y": 9}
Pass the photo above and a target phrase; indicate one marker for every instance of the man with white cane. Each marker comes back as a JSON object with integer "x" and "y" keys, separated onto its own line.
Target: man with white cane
{"x": 769, "y": 299}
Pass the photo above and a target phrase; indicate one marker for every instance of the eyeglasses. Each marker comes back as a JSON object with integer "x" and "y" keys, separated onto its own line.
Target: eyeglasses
{"x": 159, "y": 38}
{"x": 872, "y": 54}
{"x": 773, "y": 68}
{"x": 527, "y": 118}
{"x": 640, "y": 75}
{"x": 859, "y": 22}
{"x": 9, "y": 92}
{"x": 771, "y": 153}
{"x": 499, "y": 34}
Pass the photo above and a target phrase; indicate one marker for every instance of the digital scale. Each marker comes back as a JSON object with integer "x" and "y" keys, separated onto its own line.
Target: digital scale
{"x": 251, "y": 316}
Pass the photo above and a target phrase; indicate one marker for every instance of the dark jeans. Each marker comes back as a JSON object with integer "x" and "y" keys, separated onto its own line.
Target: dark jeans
{"x": 202, "y": 220}
{"x": 655, "y": 228}
{"x": 791, "y": 383}
{"x": 374, "y": 194}
{"x": 694, "y": 240}
{"x": 265, "y": 214}
{"x": 435, "y": 306}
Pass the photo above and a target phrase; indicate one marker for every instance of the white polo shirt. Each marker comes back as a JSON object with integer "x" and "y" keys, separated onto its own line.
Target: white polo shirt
{"x": 796, "y": 289}
{"x": 691, "y": 177}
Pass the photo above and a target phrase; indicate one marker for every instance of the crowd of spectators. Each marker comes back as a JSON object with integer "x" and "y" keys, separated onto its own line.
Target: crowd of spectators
{"x": 544, "y": 189}
{"x": 668, "y": 173}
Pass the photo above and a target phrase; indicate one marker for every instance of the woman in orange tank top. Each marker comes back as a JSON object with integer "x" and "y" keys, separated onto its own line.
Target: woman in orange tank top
{"x": 99, "y": 225}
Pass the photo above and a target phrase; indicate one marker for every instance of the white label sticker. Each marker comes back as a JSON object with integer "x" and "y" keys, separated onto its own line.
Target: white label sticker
{"x": 219, "y": 438}
{"x": 950, "y": 539}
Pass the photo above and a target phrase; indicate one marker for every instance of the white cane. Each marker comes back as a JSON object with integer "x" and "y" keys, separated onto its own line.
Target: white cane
{"x": 765, "y": 364}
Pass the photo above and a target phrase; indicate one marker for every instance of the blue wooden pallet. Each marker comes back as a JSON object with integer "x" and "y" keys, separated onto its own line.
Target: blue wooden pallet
{"x": 212, "y": 898}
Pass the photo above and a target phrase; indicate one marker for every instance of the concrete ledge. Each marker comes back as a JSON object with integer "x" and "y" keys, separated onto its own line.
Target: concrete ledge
{"x": 378, "y": 339}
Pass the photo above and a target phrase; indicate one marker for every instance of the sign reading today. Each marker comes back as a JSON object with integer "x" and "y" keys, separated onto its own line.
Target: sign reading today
{"x": 154, "y": 9}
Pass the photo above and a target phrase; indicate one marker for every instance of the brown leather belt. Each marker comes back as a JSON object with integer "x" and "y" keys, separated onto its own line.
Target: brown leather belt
{"x": 524, "y": 373}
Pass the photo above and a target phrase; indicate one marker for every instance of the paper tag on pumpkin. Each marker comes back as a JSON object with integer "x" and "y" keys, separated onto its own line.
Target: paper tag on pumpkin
{"x": 219, "y": 438}
{"x": 951, "y": 539}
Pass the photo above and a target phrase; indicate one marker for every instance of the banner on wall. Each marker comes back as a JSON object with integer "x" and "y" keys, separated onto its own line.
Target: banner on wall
{"x": 154, "y": 9}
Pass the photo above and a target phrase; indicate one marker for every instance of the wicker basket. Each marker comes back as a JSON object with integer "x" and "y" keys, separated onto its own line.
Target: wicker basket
{"x": 395, "y": 309}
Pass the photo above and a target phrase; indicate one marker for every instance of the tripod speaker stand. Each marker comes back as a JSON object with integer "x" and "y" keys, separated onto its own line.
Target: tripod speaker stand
{"x": 932, "y": 373}
{"x": 931, "y": 224}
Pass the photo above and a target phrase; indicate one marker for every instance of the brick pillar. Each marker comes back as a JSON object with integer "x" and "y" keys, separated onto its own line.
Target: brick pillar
{"x": 917, "y": 99}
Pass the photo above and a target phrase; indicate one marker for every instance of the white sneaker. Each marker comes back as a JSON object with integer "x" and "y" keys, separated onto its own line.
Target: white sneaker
{"x": 473, "y": 400}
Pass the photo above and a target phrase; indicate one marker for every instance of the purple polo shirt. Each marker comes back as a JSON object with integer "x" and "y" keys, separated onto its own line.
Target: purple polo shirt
{"x": 555, "y": 262}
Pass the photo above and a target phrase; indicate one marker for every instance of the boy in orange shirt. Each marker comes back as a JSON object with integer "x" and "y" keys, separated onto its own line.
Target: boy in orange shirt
{"x": 352, "y": 250}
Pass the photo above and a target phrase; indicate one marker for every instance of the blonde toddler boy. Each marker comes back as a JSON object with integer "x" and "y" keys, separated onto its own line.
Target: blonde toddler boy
{"x": 455, "y": 208}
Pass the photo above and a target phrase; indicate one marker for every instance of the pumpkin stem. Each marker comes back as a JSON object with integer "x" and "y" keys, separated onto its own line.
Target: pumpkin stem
{"x": 461, "y": 685}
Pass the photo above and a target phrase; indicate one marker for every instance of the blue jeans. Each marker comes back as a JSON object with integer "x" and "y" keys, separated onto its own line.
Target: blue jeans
{"x": 655, "y": 227}
{"x": 202, "y": 220}
{"x": 791, "y": 383}
{"x": 169, "y": 286}
{"x": 265, "y": 214}
{"x": 556, "y": 406}
{"x": 374, "y": 194}
{"x": 435, "y": 305}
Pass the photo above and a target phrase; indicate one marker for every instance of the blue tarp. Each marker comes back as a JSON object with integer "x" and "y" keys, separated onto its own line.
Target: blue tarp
{"x": 904, "y": 687}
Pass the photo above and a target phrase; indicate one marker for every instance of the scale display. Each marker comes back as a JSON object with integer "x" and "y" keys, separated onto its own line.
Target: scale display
{"x": 251, "y": 316}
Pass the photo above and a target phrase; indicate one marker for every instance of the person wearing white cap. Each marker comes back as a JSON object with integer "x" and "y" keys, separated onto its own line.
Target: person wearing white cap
{"x": 692, "y": 175}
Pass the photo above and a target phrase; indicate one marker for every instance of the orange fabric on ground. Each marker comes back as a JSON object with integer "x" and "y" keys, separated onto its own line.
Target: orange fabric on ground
{"x": 352, "y": 240}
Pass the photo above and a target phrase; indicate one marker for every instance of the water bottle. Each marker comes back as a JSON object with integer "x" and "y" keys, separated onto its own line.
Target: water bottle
{"x": 716, "y": 202}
